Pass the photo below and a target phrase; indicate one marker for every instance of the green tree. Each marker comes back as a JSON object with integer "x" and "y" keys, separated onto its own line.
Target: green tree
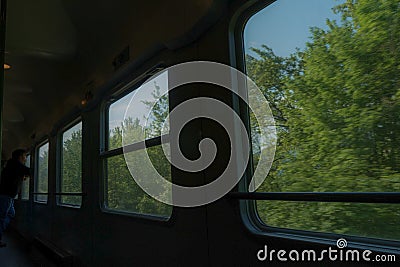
{"x": 338, "y": 104}
{"x": 43, "y": 173}
{"x": 122, "y": 191}
{"x": 71, "y": 181}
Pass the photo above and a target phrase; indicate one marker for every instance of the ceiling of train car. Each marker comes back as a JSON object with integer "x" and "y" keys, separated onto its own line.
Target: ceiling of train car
{"x": 55, "y": 47}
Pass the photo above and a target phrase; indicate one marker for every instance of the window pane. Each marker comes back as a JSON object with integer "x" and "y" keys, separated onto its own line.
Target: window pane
{"x": 42, "y": 173}
{"x": 331, "y": 78}
{"x": 135, "y": 119}
{"x": 71, "y": 174}
{"x": 25, "y": 183}
{"x": 123, "y": 194}
{"x": 339, "y": 218}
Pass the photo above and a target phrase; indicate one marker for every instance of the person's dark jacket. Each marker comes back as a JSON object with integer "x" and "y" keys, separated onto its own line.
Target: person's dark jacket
{"x": 11, "y": 177}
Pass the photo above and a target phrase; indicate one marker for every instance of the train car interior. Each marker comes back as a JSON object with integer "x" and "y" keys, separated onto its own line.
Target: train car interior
{"x": 202, "y": 132}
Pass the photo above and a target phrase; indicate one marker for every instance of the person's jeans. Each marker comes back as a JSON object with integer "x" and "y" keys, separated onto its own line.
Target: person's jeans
{"x": 7, "y": 212}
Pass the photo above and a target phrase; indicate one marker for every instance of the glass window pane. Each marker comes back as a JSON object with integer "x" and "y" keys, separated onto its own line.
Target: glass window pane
{"x": 330, "y": 76}
{"x": 42, "y": 173}
{"x": 25, "y": 183}
{"x": 147, "y": 95}
{"x": 123, "y": 194}
{"x": 339, "y": 218}
{"x": 71, "y": 168}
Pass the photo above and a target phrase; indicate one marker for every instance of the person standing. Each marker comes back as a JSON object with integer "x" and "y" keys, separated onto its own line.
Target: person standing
{"x": 12, "y": 176}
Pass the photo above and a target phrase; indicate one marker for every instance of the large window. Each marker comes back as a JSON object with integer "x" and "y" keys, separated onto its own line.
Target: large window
{"x": 42, "y": 174}
{"x": 25, "y": 183}
{"x": 70, "y": 182}
{"x": 121, "y": 191}
{"x": 330, "y": 71}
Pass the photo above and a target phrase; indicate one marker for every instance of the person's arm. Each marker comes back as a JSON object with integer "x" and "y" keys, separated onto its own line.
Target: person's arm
{"x": 26, "y": 173}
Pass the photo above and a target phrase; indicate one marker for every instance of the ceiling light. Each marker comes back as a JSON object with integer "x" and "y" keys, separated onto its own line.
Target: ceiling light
{"x": 6, "y": 66}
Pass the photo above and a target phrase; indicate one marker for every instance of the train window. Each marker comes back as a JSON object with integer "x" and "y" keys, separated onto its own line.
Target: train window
{"x": 42, "y": 174}
{"x": 25, "y": 183}
{"x": 122, "y": 194}
{"x": 70, "y": 181}
{"x": 329, "y": 70}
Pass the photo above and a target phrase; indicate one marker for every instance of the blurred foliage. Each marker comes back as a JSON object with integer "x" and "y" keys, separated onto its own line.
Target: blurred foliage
{"x": 71, "y": 176}
{"x": 337, "y": 107}
{"x": 122, "y": 192}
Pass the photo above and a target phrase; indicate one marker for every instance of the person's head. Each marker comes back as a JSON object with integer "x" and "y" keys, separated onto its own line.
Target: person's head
{"x": 19, "y": 155}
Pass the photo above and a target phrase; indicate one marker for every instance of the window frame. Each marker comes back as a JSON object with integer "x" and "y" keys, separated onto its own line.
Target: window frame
{"x": 36, "y": 172}
{"x": 118, "y": 93}
{"x": 28, "y": 154}
{"x": 59, "y": 167}
{"x": 247, "y": 201}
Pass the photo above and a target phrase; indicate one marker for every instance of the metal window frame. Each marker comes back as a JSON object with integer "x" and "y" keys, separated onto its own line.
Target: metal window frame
{"x": 59, "y": 166}
{"x": 28, "y": 154}
{"x": 45, "y": 141}
{"x": 106, "y": 153}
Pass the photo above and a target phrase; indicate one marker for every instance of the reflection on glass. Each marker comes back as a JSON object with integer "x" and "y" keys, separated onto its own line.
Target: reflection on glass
{"x": 330, "y": 77}
{"x": 71, "y": 176}
{"x": 42, "y": 173}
